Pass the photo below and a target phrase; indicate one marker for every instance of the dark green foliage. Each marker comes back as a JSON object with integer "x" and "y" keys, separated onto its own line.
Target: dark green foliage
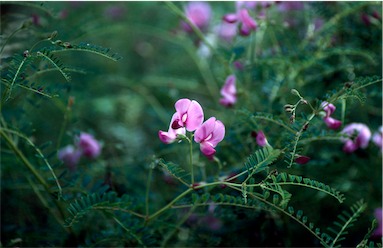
{"x": 116, "y": 69}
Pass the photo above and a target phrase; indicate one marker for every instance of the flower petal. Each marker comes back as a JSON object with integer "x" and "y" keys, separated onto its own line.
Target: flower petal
{"x": 194, "y": 116}
{"x": 207, "y": 149}
{"x": 332, "y": 123}
{"x": 204, "y": 130}
{"x": 230, "y": 18}
{"x": 218, "y": 133}
{"x": 167, "y": 137}
{"x": 182, "y": 106}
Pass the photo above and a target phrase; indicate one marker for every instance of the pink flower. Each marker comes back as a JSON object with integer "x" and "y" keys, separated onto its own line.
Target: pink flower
{"x": 302, "y": 159}
{"x": 229, "y": 92}
{"x": 358, "y": 137}
{"x": 378, "y": 216}
{"x": 89, "y": 146}
{"x": 199, "y": 14}
{"x": 209, "y": 134}
{"x": 329, "y": 108}
{"x": 70, "y": 156}
{"x": 227, "y": 31}
{"x": 261, "y": 139}
{"x": 189, "y": 114}
{"x": 247, "y": 23}
{"x": 171, "y": 135}
{"x": 377, "y": 138}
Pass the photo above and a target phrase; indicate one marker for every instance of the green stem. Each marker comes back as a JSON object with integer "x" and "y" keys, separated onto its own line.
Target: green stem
{"x": 129, "y": 231}
{"x": 147, "y": 191}
{"x": 191, "y": 158}
{"x": 169, "y": 205}
{"x": 23, "y": 159}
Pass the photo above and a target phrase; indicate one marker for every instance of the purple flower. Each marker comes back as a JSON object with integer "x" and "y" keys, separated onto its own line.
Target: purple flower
{"x": 70, "y": 156}
{"x": 198, "y": 13}
{"x": 227, "y": 31}
{"x": 289, "y": 6}
{"x": 171, "y": 135}
{"x": 261, "y": 139}
{"x": 331, "y": 123}
{"x": 189, "y": 114}
{"x": 377, "y": 138}
{"x": 302, "y": 159}
{"x": 378, "y": 216}
{"x": 229, "y": 92}
{"x": 246, "y": 22}
{"x": 358, "y": 137}
{"x": 89, "y": 146}
{"x": 114, "y": 12}
{"x": 208, "y": 135}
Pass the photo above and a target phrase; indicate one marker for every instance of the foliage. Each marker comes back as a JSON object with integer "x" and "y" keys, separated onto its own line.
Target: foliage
{"x": 115, "y": 70}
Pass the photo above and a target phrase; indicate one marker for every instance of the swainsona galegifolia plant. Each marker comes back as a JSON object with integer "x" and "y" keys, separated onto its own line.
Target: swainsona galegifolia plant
{"x": 274, "y": 150}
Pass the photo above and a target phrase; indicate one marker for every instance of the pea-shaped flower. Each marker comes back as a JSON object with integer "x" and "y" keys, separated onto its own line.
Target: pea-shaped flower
{"x": 208, "y": 135}
{"x": 331, "y": 123}
{"x": 70, "y": 156}
{"x": 89, "y": 146}
{"x": 229, "y": 92}
{"x": 358, "y": 136}
{"x": 198, "y": 13}
{"x": 378, "y": 138}
{"x": 171, "y": 135}
{"x": 189, "y": 114}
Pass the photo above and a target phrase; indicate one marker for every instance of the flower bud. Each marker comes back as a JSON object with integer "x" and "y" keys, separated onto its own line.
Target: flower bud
{"x": 289, "y": 108}
{"x": 294, "y": 92}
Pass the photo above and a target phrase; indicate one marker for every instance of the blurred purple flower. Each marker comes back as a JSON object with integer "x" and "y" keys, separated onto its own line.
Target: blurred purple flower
{"x": 260, "y": 138}
{"x": 290, "y": 5}
{"x": 329, "y": 108}
{"x": 238, "y": 65}
{"x": 378, "y": 216}
{"x": 246, "y": 22}
{"x": 358, "y": 137}
{"x": 89, "y": 146}
{"x": 171, "y": 135}
{"x": 209, "y": 134}
{"x": 189, "y": 114}
{"x": 229, "y": 92}
{"x": 227, "y": 31}
{"x": 198, "y": 13}
{"x": 70, "y": 156}
{"x": 302, "y": 159}
{"x": 114, "y": 12}
{"x": 377, "y": 138}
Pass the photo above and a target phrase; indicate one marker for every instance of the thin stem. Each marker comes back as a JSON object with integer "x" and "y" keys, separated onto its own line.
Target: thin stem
{"x": 169, "y": 205}
{"x": 191, "y": 158}
{"x": 10, "y": 36}
{"x": 129, "y": 231}
{"x": 147, "y": 190}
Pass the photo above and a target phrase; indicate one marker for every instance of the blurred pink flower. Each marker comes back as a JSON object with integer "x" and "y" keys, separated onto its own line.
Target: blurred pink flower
{"x": 189, "y": 114}
{"x": 358, "y": 137}
{"x": 227, "y": 31}
{"x": 379, "y": 229}
{"x": 377, "y": 138}
{"x": 198, "y": 13}
{"x": 70, "y": 156}
{"x": 89, "y": 146}
{"x": 302, "y": 159}
{"x": 209, "y": 134}
{"x": 246, "y": 22}
{"x": 229, "y": 92}
{"x": 260, "y": 138}
{"x": 331, "y": 123}
{"x": 290, "y": 5}
{"x": 171, "y": 135}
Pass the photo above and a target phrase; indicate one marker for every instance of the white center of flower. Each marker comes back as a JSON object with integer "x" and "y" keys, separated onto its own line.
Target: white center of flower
{"x": 184, "y": 117}
{"x": 209, "y": 137}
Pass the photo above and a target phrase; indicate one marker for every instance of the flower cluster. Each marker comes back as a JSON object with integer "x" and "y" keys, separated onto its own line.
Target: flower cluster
{"x": 189, "y": 117}
{"x": 331, "y": 123}
{"x": 85, "y": 146}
